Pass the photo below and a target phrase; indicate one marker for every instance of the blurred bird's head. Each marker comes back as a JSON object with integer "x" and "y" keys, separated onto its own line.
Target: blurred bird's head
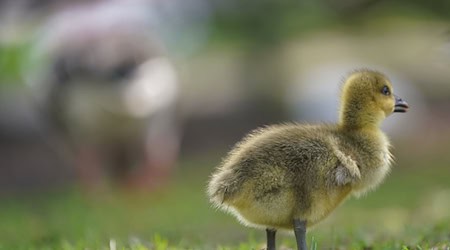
{"x": 367, "y": 99}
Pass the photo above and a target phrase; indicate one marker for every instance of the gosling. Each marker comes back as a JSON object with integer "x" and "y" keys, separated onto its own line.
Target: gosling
{"x": 291, "y": 176}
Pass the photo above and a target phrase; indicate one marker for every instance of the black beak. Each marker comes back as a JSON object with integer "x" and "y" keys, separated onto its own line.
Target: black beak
{"x": 400, "y": 105}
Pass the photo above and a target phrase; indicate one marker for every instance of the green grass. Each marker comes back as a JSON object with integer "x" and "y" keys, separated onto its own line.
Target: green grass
{"x": 409, "y": 211}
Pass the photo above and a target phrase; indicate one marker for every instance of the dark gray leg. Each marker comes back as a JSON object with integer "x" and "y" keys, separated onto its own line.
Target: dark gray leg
{"x": 271, "y": 238}
{"x": 300, "y": 233}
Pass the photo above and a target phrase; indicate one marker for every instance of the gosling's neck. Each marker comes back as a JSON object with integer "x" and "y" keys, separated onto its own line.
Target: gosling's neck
{"x": 356, "y": 116}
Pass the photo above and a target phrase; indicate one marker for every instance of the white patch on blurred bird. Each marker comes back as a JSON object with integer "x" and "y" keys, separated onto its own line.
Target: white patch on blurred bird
{"x": 153, "y": 87}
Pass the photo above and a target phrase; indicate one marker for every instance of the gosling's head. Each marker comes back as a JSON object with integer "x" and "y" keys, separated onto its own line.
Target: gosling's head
{"x": 367, "y": 99}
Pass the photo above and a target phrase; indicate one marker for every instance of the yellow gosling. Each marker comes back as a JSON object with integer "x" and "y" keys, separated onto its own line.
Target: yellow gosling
{"x": 292, "y": 176}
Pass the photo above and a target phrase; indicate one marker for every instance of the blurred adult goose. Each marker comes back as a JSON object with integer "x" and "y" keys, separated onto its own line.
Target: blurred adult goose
{"x": 291, "y": 176}
{"x": 110, "y": 91}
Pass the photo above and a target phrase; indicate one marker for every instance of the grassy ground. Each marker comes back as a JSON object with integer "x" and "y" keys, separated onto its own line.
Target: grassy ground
{"x": 409, "y": 211}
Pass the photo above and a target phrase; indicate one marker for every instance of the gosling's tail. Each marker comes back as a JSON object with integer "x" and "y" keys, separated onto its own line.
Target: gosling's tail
{"x": 222, "y": 187}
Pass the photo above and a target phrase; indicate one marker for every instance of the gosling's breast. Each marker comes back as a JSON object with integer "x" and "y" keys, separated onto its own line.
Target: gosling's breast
{"x": 374, "y": 173}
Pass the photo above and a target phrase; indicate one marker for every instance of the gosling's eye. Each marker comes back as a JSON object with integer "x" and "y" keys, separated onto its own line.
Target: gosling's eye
{"x": 385, "y": 90}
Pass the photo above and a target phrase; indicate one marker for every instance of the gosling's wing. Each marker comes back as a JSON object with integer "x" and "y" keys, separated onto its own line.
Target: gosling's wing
{"x": 342, "y": 175}
{"x": 346, "y": 170}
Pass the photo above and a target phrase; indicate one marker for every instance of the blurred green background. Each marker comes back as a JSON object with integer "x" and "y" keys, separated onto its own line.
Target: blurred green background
{"x": 72, "y": 178}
